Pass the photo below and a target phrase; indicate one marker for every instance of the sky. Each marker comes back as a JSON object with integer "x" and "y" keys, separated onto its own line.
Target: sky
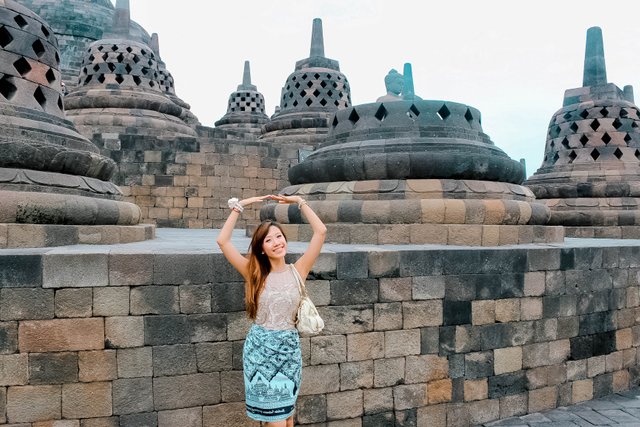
{"x": 512, "y": 60}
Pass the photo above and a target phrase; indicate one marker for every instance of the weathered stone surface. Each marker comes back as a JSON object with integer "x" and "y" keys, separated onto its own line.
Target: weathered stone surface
{"x": 226, "y": 414}
{"x": 26, "y": 304}
{"x": 328, "y": 349}
{"x": 320, "y": 379}
{"x": 8, "y": 337}
{"x": 194, "y": 299}
{"x": 135, "y": 362}
{"x": 111, "y": 301}
{"x": 97, "y": 366}
{"x": 174, "y": 360}
{"x": 345, "y": 404}
{"x": 191, "y": 417}
{"x": 388, "y": 372}
{"x": 356, "y": 375}
{"x": 14, "y": 370}
{"x": 53, "y": 368}
{"x": 213, "y": 357}
{"x": 86, "y": 400}
{"x": 122, "y": 332}
{"x": 132, "y": 395}
{"x": 155, "y": 300}
{"x": 198, "y": 390}
{"x": 34, "y": 403}
{"x": 61, "y": 335}
{"x": 75, "y": 303}
{"x": 365, "y": 346}
{"x": 130, "y": 269}
{"x": 312, "y": 409}
{"x": 166, "y": 330}
{"x": 63, "y": 270}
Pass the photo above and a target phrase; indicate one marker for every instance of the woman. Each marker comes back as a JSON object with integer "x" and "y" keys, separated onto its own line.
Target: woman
{"x": 271, "y": 356}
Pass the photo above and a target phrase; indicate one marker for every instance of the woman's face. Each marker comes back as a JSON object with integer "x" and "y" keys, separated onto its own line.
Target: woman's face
{"x": 274, "y": 244}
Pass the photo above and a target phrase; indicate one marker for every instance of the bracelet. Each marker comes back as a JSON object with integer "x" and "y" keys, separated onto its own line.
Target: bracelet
{"x": 301, "y": 203}
{"x": 234, "y": 204}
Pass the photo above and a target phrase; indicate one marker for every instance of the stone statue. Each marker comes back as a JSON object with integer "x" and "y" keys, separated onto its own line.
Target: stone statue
{"x": 394, "y": 82}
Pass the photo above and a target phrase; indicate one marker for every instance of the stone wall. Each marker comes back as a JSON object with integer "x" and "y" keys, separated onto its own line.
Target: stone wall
{"x": 186, "y": 182}
{"x": 428, "y": 337}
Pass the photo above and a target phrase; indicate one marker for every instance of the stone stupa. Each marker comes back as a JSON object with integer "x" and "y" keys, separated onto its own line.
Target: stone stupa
{"x": 408, "y": 170}
{"x": 245, "y": 111}
{"x": 119, "y": 89}
{"x": 54, "y": 183}
{"x": 312, "y": 93}
{"x": 590, "y": 175}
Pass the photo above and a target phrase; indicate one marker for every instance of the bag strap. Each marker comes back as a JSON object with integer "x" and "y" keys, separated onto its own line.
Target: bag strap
{"x": 301, "y": 286}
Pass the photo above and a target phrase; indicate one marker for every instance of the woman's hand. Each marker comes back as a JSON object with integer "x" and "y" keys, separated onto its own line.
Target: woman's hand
{"x": 286, "y": 199}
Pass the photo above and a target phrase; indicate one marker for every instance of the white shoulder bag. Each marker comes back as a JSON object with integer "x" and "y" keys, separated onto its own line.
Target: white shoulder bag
{"x": 308, "y": 321}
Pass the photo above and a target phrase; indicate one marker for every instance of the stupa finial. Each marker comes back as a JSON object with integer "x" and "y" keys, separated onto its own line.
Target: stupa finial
{"x": 246, "y": 78}
{"x": 407, "y": 88}
{"x": 595, "y": 70}
{"x": 628, "y": 93}
{"x": 317, "y": 39}
{"x": 154, "y": 44}
{"x": 122, "y": 18}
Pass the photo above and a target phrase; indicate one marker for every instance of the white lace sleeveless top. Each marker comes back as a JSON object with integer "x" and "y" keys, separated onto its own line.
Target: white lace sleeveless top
{"x": 278, "y": 303}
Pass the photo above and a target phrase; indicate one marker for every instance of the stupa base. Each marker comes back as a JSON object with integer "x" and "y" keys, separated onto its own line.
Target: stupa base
{"x": 44, "y": 236}
{"x": 604, "y": 232}
{"x": 439, "y": 234}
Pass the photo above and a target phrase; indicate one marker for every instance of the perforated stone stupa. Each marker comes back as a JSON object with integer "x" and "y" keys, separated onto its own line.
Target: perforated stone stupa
{"x": 311, "y": 94}
{"x": 120, "y": 89}
{"x": 245, "y": 111}
{"x": 590, "y": 175}
{"x": 77, "y": 23}
{"x": 414, "y": 171}
{"x": 49, "y": 173}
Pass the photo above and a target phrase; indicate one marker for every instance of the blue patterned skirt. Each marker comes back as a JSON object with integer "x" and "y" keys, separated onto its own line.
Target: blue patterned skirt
{"x": 272, "y": 372}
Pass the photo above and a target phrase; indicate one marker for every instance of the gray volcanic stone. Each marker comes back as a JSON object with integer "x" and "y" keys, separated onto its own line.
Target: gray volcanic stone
{"x": 53, "y": 368}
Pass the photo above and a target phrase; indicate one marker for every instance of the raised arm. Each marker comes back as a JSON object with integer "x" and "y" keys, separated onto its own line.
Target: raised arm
{"x": 306, "y": 261}
{"x": 229, "y": 251}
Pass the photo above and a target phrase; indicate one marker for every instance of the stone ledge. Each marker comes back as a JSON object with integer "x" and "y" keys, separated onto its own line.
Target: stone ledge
{"x": 442, "y": 234}
{"x": 43, "y": 236}
{"x": 604, "y": 232}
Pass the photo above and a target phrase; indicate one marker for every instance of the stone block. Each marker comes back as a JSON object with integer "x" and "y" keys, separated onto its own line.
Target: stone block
{"x": 74, "y": 302}
{"x": 418, "y": 314}
{"x": 531, "y": 308}
{"x": 396, "y": 289}
{"x": 41, "y": 336}
{"x": 377, "y": 400}
{"x": 319, "y": 379}
{"x": 34, "y": 403}
{"x": 507, "y": 360}
{"x": 184, "y": 269}
{"x": 456, "y": 312}
{"x": 387, "y": 316}
{"x": 96, "y": 366}
{"x": 227, "y": 414}
{"x": 535, "y": 355}
{"x": 130, "y": 269}
{"x": 428, "y": 287}
{"x": 427, "y": 368}
{"x": 383, "y": 264}
{"x": 20, "y": 271}
{"x": 74, "y": 270}
{"x": 354, "y": 291}
{"x": 8, "y": 337}
{"x": 14, "y": 369}
{"x": 440, "y": 391}
{"x": 613, "y": 361}
{"x": 166, "y": 330}
{"x": 429, "y": 340}
{"x": 174, "y": 360}
{"x": 514, "y": 405}
{"x": 111, "y": 301}
{"x": 402, "y": 343}
{"x": 534, "y": 283}
{"x": 155, "y": 300}
{"x": 213, "y": 327}
{"x": 135, "y": 362}
{"x": 421, "y": 263}
{"x": 559, "y": 351}
{"x": 53, "y": 368}
{"x": 213, "y": 357}
{"x": 507, "y": 384}
{"x": 388, "y": 372}
{"x": 232, "y": 386}
{"x": 347, "y": 319}
{"x": 26, "y": 304}
{"x": 478, "y": 365}
{"x": 311, "y": 409}
{"x": 123, "y": 332}
{"x": 365, "y": 346}
{"x": 148, "y": 419}
{"x": 432, "y": 416}
{"x": 328, "y": 349}
{"x": 100, "y": 422}
{"x": 227, "y": 297}
{"x": 86, "y": 400}
{"x": 483, "y": 312}
{"x": 352, "y": 265}
{"x": 581, "y": 390}
{"x": 507, "y": 310}
{"x": 409, "y": 396}
{"x": 319, "y": 291}
{"x": 194, "y": 299}
{"x": 356, "y": 375}
{"x": 344, "y": 404}
{"x": 132, "y": 395}
{"x": 476, "y": 389}
{"x": 483, "y": 411}
{"x": 543, "y": 399}
{"x": 576, "y": 370}
{"x": 57, "y": 423}
{"x": 624, "y": 339}
{"x": 620, "y": 381}
{"x": 190, "y": 417}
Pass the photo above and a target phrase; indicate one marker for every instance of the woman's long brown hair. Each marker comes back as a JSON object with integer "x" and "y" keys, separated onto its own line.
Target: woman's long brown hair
{"x": 259, "y": 267}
